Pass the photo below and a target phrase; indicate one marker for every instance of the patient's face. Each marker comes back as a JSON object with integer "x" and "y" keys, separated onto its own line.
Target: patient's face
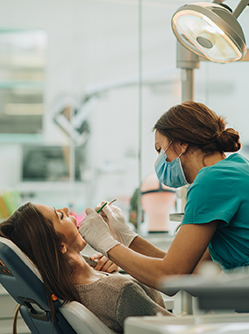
{"x": 65, "y": 224}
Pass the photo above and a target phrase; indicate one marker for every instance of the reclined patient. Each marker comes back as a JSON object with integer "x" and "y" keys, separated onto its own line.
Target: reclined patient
{"x": 50, "y": 238}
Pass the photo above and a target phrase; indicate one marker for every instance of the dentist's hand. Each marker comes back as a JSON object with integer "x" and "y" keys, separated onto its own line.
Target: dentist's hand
{"x": 96, "y": 233}
{"x": 119, "y": 228}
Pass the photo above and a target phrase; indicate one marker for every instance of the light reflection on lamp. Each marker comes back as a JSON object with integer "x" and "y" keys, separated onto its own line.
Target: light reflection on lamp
{"x": 209, "y": 30}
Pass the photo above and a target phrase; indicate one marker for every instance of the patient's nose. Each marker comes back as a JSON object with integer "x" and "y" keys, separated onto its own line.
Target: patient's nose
{"x": 66, "y": 211}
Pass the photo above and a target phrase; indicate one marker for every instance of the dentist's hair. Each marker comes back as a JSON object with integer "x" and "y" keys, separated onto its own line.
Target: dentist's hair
{"x": 195, "y": 124}
{"x": 35, "y": 235}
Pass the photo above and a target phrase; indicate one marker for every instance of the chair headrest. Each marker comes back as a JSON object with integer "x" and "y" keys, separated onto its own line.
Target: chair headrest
{"x": 20, "y": 277}
{"x": 21, "y": 255}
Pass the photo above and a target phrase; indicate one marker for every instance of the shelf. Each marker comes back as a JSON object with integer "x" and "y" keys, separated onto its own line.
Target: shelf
{"x": 49, "y": 186}
{"x": 176, "y": 217}
{"x": 17, "y": 138}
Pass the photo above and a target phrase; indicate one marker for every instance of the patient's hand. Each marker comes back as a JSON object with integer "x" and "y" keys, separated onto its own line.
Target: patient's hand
{"x": 104, "y": 264}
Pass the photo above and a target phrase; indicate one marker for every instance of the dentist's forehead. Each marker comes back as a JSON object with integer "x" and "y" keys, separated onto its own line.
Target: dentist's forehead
{"x": 160, "y": 138}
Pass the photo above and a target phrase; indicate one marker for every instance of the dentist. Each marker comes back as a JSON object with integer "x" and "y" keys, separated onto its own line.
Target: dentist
{"x": 191, "y": 141}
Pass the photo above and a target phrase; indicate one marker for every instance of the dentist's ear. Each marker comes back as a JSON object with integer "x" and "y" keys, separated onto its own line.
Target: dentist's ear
{"x": 63, "y": 248}
{"x": 184, "y": 147}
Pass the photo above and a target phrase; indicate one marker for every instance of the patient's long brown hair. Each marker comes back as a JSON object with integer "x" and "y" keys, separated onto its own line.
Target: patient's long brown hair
{"x": 35, "y": 235}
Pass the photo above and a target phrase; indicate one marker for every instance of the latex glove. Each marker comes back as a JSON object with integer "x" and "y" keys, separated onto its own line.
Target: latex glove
{"x": 119, "y": 228}
{"x": 96, "y": 233}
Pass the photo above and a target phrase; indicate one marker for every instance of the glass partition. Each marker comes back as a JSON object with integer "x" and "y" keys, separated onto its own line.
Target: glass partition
{"x": 88, "y": 85}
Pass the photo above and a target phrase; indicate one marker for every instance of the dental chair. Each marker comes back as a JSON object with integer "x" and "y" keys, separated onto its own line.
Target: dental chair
{"x": 22, "y": 280}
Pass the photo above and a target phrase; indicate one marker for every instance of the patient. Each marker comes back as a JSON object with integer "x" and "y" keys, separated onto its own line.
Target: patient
{"x": 50, "y": 238}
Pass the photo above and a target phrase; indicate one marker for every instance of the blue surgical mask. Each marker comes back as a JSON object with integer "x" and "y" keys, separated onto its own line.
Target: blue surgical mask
{"x": 170, "y": 173}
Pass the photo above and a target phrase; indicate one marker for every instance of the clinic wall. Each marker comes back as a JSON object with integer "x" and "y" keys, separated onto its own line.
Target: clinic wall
{"x": 224, "y": 90}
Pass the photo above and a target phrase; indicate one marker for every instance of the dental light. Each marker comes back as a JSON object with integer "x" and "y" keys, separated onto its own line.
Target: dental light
{"x": 211, "y": 30}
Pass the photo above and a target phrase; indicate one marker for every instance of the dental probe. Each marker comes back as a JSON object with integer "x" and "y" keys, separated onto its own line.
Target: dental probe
{"x": 98, "y": 211}
{"x": 114, "y": 200}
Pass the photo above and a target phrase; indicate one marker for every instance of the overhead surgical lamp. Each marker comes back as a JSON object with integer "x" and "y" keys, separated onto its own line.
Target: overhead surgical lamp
{"x": 211, "y": 30}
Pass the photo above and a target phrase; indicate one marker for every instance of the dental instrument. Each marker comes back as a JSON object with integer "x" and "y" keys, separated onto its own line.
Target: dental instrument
{"x": 98, "y": 211}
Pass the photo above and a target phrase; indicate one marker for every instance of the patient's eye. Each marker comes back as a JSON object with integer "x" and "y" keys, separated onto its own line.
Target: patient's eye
{"x": 62, "y": 216}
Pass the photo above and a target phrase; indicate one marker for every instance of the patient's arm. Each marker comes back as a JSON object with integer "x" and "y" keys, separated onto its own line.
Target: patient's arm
{"x": 144, "y": 247}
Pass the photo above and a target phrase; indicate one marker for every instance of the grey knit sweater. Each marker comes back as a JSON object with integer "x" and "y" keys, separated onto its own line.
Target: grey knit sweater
{"x": 114, "y": 297}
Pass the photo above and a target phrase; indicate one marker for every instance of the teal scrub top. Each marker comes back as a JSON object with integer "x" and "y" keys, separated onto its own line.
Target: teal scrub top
{"x": 221, "y": 192}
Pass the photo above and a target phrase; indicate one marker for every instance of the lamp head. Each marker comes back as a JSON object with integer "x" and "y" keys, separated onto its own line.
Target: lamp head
{"x": 209, "y": 30}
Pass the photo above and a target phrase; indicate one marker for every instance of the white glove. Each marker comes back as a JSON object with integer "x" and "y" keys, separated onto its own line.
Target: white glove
{"x": 119, "y": 228}
{"x": 96, "y": 232}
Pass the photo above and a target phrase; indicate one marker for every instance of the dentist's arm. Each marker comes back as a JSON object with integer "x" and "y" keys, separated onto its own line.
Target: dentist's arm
{"x": 121, "y": 231}
{"x": 143, "y": 246}
{"x": 184, "y": 254}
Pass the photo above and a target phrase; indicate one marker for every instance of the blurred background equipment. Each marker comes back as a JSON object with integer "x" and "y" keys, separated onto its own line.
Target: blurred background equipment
{"x": 158, "y": 201}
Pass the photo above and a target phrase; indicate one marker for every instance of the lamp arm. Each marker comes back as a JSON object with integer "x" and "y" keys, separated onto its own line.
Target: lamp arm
{"x": 239, "y": 9}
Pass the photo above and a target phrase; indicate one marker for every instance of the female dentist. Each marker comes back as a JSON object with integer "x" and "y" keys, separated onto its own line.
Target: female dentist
{"x": 190, "y": 140}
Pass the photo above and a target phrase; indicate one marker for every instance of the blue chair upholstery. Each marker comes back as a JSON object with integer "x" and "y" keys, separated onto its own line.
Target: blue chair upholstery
{"x": 22, "y": 280}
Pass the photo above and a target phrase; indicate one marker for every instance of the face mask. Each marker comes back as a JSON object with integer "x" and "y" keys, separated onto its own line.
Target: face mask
{"x": 170, "y": 173}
